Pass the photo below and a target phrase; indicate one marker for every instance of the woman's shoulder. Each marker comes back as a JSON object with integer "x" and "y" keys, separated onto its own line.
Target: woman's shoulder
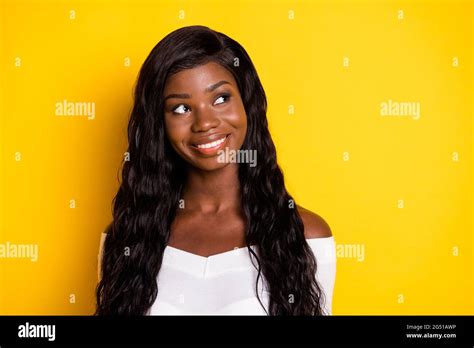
{"x": 101, "y": 250}
{"x": 314, "y": 225}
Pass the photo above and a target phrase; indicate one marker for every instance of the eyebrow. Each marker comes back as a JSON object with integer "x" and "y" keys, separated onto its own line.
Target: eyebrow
{"x": 187, "y": 96}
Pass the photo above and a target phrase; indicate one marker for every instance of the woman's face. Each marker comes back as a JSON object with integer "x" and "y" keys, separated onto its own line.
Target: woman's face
{"x": 204, "y": 114}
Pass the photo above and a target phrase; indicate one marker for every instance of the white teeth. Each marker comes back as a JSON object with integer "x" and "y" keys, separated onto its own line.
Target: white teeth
{"x": 213, "y": 144}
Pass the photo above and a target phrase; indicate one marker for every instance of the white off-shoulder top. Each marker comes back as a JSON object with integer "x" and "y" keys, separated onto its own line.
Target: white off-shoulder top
{"x": 224, "y": 284}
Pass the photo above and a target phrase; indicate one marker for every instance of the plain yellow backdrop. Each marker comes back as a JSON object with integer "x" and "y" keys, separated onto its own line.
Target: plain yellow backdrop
{"x": 396, "y": 188}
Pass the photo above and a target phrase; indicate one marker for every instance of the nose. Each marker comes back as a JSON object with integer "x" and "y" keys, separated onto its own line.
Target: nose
{"x": 204, "y": 119}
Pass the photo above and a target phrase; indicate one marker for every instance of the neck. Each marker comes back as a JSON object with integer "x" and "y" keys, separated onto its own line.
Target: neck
{"x": 212, "y": 191}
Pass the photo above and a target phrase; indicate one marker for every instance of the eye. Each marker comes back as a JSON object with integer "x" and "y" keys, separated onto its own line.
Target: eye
{"x": 222, "y": 99}
{"x": 180, "y": 109}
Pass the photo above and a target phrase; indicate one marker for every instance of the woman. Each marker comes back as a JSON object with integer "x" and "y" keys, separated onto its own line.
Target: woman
{"x": 193, "y": 231}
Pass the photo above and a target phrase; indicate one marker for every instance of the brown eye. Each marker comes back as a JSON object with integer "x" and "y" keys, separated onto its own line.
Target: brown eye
{"x": 222, "y": 99}
{"x": 180, "y": 109}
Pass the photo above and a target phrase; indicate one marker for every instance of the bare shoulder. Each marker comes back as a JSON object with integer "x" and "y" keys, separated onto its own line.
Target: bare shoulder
{"x": 108, "y": 229}
{"x": 314, "y": 225}
{"x": 104, "y": 235}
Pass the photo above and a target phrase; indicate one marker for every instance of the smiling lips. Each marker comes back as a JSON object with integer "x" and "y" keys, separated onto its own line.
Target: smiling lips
{"x": 212, "y": 146}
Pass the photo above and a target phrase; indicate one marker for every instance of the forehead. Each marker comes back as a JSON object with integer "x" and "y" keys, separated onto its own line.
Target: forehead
{"x": 198, "y": 78}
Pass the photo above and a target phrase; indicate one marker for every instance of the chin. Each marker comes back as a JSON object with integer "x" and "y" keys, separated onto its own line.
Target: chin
{"x": 208, "y": 165}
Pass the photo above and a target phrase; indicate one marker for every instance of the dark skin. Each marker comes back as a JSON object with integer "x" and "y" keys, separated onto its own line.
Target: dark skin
{"x": 204, "y": 113}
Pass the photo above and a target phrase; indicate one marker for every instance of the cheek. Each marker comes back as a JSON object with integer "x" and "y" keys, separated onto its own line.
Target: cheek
{"x": 238, "y": 120}
{"x": 236, "y": 116}
{"x": 175, "y": 131}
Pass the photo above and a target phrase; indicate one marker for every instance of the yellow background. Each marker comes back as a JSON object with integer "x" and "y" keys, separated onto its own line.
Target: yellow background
{"x": 389, "y": 184}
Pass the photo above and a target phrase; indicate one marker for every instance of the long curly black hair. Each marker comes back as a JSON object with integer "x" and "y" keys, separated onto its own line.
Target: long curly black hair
{"x": 152, "y": 181}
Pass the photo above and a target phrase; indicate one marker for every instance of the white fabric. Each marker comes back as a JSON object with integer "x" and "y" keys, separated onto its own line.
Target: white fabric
{"x": 224, "y": 284}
